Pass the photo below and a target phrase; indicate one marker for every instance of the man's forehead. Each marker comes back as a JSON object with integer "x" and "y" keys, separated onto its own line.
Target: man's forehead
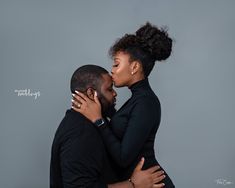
{"x": 107, "y": 79}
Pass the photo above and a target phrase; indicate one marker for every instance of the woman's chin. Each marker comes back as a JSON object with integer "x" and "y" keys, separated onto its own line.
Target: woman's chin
{"x": 117, "y": 85}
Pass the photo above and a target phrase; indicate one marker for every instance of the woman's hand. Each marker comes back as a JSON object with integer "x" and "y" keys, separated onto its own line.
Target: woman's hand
{"x": 91, "y": 109}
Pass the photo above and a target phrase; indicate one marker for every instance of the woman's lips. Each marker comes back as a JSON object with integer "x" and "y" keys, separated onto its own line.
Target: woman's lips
{"x": 113, "y": 79}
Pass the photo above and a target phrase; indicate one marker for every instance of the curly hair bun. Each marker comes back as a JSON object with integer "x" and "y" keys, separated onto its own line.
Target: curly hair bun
{"x": 155, "y": 41}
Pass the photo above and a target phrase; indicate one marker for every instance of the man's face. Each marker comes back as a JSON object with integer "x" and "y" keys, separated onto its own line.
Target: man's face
{"x": 107, "y": 96}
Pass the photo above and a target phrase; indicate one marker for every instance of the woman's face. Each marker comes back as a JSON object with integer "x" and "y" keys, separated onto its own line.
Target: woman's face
{"x": 121, "y": 70}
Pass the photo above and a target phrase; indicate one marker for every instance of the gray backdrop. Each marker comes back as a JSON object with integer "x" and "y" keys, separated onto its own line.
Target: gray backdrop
{"x": 43, "y": 42}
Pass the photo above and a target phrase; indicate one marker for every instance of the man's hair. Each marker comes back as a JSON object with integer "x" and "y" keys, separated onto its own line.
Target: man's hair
{"x": 87, "y": 76}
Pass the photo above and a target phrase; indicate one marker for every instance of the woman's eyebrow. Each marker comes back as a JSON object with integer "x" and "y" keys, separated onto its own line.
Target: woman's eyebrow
{"x": 116, "y": 58}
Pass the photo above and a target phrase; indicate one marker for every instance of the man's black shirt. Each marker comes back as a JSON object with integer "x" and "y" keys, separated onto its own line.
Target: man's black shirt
{"x": 78, "y": 156}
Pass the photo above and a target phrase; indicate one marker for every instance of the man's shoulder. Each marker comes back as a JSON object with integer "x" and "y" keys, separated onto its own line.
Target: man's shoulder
{"x": 74, "y": 125}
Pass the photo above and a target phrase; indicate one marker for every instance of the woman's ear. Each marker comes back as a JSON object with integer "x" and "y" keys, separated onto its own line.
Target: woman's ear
{"x": 90, "y": 93}
{"x": 135, "y": 67}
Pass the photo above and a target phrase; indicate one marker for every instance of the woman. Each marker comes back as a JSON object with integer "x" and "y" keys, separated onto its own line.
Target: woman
{"x": 131, "y": 132}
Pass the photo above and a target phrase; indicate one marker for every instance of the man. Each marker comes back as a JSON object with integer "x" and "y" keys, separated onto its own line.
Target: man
{"x": 78, "y": 157}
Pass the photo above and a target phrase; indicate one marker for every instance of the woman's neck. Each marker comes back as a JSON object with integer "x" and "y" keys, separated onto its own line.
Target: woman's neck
{"x": 136, "y": 79}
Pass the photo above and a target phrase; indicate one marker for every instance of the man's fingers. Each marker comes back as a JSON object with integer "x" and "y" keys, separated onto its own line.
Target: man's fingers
{"x": 157, "y": 173}
{"x": 139, "y": 165}
{"x": 158, "y": 185}
{"x": 159, "y": 179}
{"x": 153, "y": 169}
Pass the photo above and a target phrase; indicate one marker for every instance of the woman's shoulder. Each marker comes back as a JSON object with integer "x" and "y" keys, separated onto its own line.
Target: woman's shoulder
{"x": 146, "y": 97}
{"x": 149, "y": 101}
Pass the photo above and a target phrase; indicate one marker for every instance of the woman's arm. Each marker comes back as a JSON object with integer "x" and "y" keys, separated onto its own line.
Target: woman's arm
{"x": 142, "y": 121}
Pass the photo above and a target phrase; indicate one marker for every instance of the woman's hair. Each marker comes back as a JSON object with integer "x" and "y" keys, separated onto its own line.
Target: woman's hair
{"x": 147, "y": 45}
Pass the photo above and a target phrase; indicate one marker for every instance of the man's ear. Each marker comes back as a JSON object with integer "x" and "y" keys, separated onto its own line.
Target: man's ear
{"x": 90, "y": 93}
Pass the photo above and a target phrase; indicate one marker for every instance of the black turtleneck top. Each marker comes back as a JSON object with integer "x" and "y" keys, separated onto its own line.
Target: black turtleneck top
{"x": 131, "y": 132}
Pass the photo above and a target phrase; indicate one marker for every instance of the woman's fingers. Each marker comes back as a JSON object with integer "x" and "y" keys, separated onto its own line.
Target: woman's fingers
{"x": 158, "y": 185}
{"x": 76, "y": 103}
{"x": 76, "y": 108}
{"x": 96, "y": 98}
{"x": 84, "y": 97}
{"x": 78, "y": 98}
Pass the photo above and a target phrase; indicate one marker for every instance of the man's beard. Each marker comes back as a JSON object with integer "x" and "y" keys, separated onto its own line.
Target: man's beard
{"x": 108, "y": 109}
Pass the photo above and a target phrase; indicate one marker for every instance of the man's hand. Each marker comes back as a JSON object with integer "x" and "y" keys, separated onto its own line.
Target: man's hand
{"x": 148, "y": 178}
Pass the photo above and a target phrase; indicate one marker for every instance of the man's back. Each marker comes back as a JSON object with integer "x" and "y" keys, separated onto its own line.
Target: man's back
{"x": 78, "y": 156}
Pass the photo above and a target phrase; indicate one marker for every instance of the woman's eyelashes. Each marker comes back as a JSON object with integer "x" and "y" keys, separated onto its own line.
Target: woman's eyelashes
{"x": 115, "y": 65}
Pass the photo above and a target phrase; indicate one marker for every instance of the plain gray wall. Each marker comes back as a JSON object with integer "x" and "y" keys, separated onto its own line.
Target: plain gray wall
{"x": 43, "y": 42}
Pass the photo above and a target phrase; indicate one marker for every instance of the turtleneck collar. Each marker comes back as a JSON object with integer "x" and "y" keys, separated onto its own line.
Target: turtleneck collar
{"x": 142, "y": 84}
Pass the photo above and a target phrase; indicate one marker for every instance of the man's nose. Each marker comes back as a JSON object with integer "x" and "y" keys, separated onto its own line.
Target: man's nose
{"x": 114, "y": 93}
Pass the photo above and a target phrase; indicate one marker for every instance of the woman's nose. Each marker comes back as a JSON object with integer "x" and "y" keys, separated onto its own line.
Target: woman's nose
{"x": 112, "y": 70}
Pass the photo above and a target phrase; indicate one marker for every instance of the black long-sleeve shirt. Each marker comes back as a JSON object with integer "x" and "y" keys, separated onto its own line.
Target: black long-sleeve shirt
{"x": 131, "y": 132}
{"x": 78, "y": 155}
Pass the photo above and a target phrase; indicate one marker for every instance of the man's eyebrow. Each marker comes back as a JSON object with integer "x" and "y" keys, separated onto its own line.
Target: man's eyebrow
{"x": 111, "y": 85}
